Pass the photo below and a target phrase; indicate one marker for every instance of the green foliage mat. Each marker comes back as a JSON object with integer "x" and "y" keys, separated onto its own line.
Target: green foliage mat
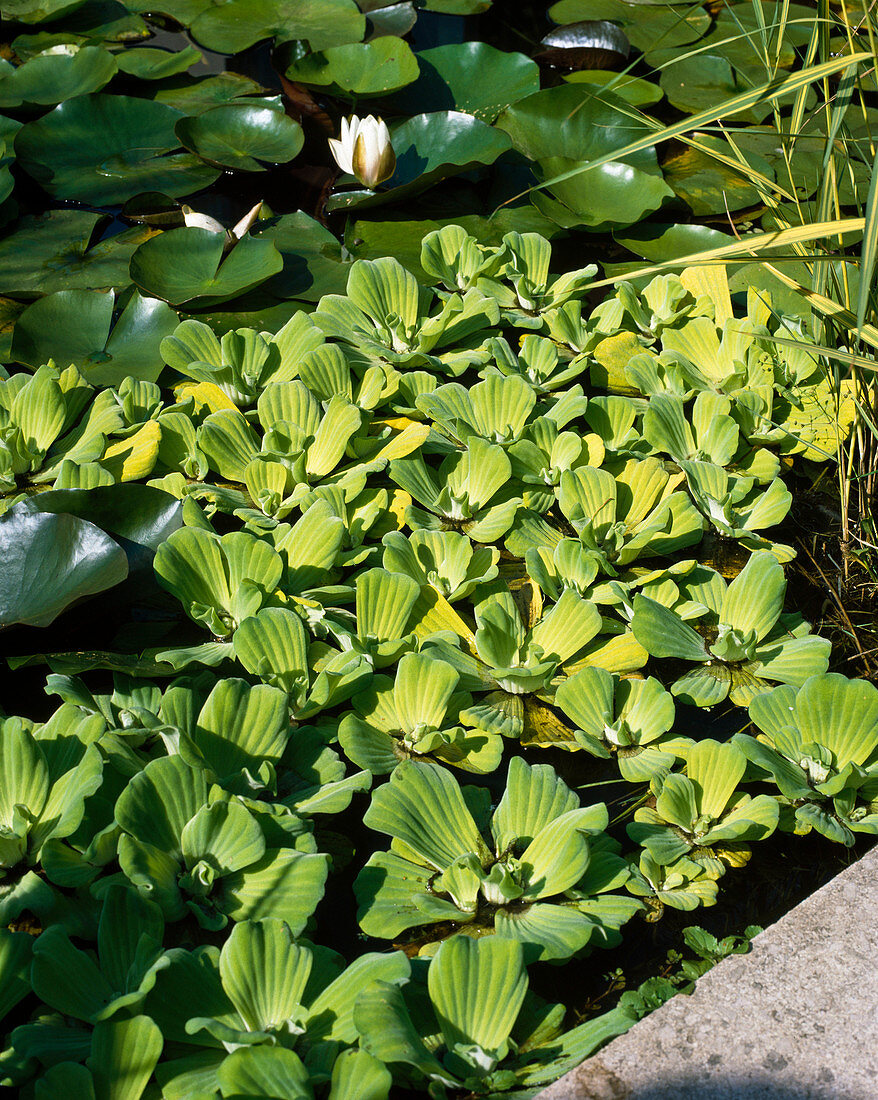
{"x": 365, "y": 574}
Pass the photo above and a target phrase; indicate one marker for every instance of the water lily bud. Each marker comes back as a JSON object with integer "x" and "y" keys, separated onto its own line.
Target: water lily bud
{"x": 194, "y": 220}
{"x": 364, "y": 150}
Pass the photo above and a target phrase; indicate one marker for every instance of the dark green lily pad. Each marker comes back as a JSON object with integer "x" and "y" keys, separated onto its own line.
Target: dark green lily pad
{"x": 570, "y": 122}
{"x": 361, "y": 68}
{"x": 457, "y": 7}
{"x": 312, "y": 258}
{"x": 183, "y": 12}
{"x": 193, "y": 96}
{"x": 429, "y": 148}
{"x": 708, "y": 78}
{"x": 801, "y": 168}
{"x": 9, "y": 127}
{"x": 147, "y": 63}
{"x": 710, "y": 187}
{"x": 62, "y": 154}
{"x": 10, "y": 311}
{"x": 254, "y": 310}
{"x": 242, "y": 136}
{"x": 447, "y": 80}
{"x": 51, "y": 561}
{"x": 45, "y": 81}
{"x": 646, "y": 26}
{"x": 106, "y": 21}
{"x": 656, "y": 242}
{"x": 53, "y": 251}
{"x": 136, "y": 513}
{"x": 383, "y": 18}
{"x": 37, "y": 11}
{"x": 609, "y": 195}
{"x": 182, "y": 265}
{"x": 76, "y": 326}
{"x": 238, "y": 24}
{"x": 26, "y": 46}
{"x": 637, "y": 92}
{"x": 367, "y": 240}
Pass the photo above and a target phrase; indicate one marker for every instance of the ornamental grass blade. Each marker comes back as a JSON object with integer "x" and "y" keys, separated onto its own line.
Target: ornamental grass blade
{"x": 477, "y": 987}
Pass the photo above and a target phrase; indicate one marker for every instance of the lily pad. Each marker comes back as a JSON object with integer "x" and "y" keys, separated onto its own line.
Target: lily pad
{"x": 62, "y": 154}
{"x": 184, "y": 264}
{"x": 655, "y": 242}
{"x": 191, "y": 96}
{"x": 76, "y": 326}
{"x": 241, "y": 136}
{"x": 612, "y": 194}
{"x": 51, "y": 79}
{"x": 53, "y": 251}
{"x": 637, "y": 92}
{"x": 37, "y": 11}
{"x": 49, "y": 562}
{"x": 361, "y": 68}
{"x": 148, "y": 63}
{"x": 312, "y": 258}
{"x": 106, "y": 21}
{"x": 446, "y": 80}
{"x": 646, "y": 26}
{"x": 136, "y": 513}
{"x": 428, "y": 148}
{"x": 709, "y": 186}
{"x": 239, "y": 24}
{"x": 570, "y": 122}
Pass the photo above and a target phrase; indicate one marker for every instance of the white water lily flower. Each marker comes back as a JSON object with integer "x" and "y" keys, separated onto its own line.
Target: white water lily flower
{"x": 193, "y": 219}
{"x": 364, "y": 150}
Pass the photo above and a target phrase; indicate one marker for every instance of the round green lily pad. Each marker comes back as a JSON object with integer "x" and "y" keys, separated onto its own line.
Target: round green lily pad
{"x": 183, "y": 264}
{"x": 51, "y": 79}
{"x": 147, "y": 63}
{"x": 105, "y": 148}
{"x": 242, "y": 136}
{"x": 365, "y": 68}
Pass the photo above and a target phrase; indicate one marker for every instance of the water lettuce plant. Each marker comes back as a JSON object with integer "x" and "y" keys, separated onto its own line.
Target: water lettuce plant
{"x": 536, "y": 881}
{"x": 746, "y": 640}
{"x": 396, "y": 517}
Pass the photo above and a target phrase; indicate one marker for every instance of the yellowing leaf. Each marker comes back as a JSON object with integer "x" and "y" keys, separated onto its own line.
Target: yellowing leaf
{"x": 133, "y": 458}
{"x": 612, "y": 357}
{"x": 409, "y": 439}
{"x": 712, "y": 282}
{"x": 543, "y": 728}
{"x": 207, "y": 396}
{"x": 620, "y": 654}
{"x": 432, "y": 612}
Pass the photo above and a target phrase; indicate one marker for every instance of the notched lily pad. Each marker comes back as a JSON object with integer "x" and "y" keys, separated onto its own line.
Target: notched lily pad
{"x": 360, "y": 68}
{"x": 51, "y": 79}
{"x": 134, "y": 153}
{"x": 241, "y": 136}
{"x": 184, "y": 264}
{"x": 76, "y": 326}
{"x": 589, "y": 44}
{"x": 49, "y": 562}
